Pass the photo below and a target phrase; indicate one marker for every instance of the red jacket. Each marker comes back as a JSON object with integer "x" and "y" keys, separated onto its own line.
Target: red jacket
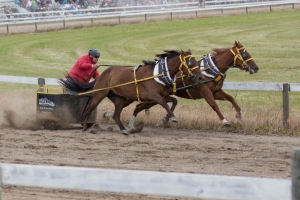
{"x": 82, "y": 69}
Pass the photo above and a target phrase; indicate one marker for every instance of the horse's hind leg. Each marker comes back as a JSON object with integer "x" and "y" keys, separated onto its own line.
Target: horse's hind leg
{"x": 174, "y": 101}
{"x": 97, "y": 98}
{"x": 119, "y": 103}
{"x": 111, "y": 114}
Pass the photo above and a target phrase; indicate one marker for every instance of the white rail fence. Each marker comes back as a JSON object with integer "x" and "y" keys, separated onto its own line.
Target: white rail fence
{"x": 143, "y": 12}
{"x": 259, "y": 86}
{"x": 155, "y": 183}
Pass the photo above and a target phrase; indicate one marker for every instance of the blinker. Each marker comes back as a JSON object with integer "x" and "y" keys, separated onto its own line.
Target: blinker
{"x": 189, "y": 63}
{"x": 244, "y": 55}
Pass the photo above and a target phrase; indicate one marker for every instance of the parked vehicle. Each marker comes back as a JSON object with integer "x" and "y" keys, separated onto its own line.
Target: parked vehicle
{"x": 16, "y": 12}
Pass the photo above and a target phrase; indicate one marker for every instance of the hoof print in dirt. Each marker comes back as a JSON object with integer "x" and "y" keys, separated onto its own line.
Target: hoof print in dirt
{"x": 109, "y": 128}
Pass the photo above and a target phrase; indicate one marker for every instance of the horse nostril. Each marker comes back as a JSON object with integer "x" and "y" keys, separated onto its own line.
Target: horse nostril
{"x": 256, "y": 68}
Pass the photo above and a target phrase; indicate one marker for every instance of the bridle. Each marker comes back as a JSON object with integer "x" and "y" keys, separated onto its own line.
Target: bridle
{"x": 187, "y": 64}
{"x": 239, "y": 56}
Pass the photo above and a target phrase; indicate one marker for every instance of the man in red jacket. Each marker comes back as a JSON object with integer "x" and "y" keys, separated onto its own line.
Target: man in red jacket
{"x": 86, "y": 67}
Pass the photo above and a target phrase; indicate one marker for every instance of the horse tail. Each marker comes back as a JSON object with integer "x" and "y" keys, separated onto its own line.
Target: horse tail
{"x": 76, "y": 86}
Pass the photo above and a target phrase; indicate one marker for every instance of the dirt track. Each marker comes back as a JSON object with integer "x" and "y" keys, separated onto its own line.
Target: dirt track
{"x": 155, "y": 149}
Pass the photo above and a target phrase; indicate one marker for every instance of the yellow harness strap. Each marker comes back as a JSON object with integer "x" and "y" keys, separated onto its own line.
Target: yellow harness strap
{"x": 219, "y": 78}
{"x": 136, "y": 87}
{"x": 119, "y": 85}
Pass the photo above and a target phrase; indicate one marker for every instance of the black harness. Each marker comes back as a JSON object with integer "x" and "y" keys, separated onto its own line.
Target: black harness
{"x": 163, "y": 69}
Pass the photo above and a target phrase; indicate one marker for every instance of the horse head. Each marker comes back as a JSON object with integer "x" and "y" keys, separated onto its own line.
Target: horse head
{"x": 189, "y": 65}
{"x": 243, "y": 59}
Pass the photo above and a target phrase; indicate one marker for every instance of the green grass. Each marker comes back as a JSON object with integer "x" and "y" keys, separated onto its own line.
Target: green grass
{"x": 273, "y": 40}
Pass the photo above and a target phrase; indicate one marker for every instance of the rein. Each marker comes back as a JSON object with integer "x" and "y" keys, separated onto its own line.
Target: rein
{"x": 135, "y": 81}
{"x": 119, "y": 85}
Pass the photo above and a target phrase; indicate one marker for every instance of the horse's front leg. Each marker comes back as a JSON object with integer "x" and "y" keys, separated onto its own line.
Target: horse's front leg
{"x": 223, "y": 96}
{"x": 209, "y": 98}
{"x": 140, "y": 107}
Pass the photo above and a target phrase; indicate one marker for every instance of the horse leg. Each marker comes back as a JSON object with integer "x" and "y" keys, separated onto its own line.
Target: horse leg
{"x": 221, "y": 95}
{"x": 97, "y": 98}
{"x": 111, "y": 114}
{"x": 160, "y": 100}
{"x": 140, "y": 107}
{"x": 209, "y": 98}
{"x": 119, "y": 103}
{"x": 174, "y": 101}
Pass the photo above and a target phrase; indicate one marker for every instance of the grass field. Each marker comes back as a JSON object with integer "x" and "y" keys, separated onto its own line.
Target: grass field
{"x": 273, "y": 40}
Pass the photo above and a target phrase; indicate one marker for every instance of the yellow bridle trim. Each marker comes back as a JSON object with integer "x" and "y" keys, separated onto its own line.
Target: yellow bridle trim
{"x": 239, "y": 56}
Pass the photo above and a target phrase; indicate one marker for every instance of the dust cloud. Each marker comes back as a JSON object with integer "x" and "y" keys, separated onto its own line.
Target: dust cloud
{"x": 18, "y": 110}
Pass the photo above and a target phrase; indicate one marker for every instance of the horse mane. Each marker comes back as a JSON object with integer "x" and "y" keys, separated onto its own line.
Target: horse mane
{"x": 149, "y": 62}
{"x": 218, "y": 51}
{"x": 169, "y": 54}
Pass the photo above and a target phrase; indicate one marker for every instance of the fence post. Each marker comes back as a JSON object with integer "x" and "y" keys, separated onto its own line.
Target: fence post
{"x": 0, "y": 182}
{"x": 41, "y": 82}
{"x": 35, "y": 24}
{"x": 296, "y": 174}
{"x": 7, "y": 29}
{"x": 285, "y": 103}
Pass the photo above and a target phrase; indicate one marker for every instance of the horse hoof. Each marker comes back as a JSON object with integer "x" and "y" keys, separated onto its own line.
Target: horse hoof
{"x": 164, "y": 122}
{"x": 108, "y": 114}
{"x": 137, "y": 128}
{"x": 174, "y": 119}
{"x": 125, "y": 132}
{"x": 225, "y": 123}
{"x": 239, "y": 117}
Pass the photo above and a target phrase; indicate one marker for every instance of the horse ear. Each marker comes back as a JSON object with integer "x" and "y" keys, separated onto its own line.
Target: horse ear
{"x": 189, "y": 51}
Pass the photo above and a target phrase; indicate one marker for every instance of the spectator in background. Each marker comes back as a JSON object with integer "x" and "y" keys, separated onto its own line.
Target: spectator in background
{"x": 18, "y": 2}
{"x": 33, "y": 6}
{"x": 8, "y": 12}
{"x": 28, "y": 5}
{"x": 81, "y": 3}
{"x": 86, "y": 4}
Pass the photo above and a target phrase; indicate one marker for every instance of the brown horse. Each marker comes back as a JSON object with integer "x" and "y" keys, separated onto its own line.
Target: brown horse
{"x": 150, "y": 82}
{"x": 214, "y": 67}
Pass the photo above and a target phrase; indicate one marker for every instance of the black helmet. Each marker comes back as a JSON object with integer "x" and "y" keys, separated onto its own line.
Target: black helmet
{"x": 94, "y": 53}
